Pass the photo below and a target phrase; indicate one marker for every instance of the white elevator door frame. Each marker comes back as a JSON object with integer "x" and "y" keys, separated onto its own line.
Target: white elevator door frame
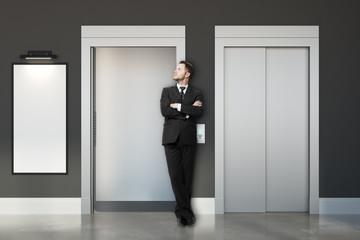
{"x": 130, "y": 160}
{"x": 112, "y": 36}
{"x": 266, "y": 129}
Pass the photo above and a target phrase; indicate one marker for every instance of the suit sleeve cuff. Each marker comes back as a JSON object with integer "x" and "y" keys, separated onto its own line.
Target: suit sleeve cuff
{"x": 179, "y": 107}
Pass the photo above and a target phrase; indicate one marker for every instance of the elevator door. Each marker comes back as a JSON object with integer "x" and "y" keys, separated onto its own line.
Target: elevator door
{"x": 130, "y": 162}
{"x": 266, "y": 130}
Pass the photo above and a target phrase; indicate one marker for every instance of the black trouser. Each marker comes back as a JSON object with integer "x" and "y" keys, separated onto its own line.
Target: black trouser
{"x": 180, "y": 160}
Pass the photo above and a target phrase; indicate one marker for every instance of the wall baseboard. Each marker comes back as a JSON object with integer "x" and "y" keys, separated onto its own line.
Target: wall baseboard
{"x": 339, "y": 206}
{"x": 203, "y": 205}
{"x": 40, "y": 205}
{"x": 200, "y": 205}
{"x": 74, "y": 206}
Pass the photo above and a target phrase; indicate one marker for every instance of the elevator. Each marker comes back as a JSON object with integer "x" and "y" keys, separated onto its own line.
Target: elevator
{"x": 266, "y": 119}
{"x": 123, "y": 71}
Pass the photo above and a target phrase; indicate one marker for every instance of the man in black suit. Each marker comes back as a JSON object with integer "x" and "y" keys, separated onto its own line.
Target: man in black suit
{"x": 181, "y": 105}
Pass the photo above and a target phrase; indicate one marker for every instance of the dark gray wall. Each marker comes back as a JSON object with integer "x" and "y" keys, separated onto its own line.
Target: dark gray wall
{"x": 55, "y": 25}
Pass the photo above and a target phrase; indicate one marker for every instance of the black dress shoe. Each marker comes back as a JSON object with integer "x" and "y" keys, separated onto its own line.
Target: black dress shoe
{"x": 182, "y": 221}
{"x": 190, "y": 222}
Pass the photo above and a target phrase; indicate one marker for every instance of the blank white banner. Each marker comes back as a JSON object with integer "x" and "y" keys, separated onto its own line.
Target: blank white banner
{"x": 39, "y": 143}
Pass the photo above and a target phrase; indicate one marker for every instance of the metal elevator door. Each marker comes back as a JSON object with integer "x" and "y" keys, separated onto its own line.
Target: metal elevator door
{"x": 130, "y": 166}
{"x": 266, "y": 129}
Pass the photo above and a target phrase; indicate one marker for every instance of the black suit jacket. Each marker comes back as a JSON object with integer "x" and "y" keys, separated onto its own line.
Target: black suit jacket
{"x": 176, "y": 124}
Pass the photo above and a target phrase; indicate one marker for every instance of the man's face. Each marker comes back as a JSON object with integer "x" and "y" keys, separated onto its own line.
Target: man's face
{"x": 180, "y": 72}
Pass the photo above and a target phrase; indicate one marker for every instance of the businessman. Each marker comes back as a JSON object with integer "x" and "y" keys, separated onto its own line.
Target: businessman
{"x": 181, "y": 105}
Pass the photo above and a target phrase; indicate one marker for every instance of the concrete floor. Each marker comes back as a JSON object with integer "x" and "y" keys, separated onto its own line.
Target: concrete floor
{"x": 162, "y": 225}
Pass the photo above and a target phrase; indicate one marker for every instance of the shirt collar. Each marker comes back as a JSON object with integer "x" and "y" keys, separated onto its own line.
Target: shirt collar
{"x": 178, "y": 87}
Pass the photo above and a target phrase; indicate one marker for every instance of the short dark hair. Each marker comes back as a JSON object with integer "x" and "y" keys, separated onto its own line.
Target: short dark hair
{"x": 188, "y": 66}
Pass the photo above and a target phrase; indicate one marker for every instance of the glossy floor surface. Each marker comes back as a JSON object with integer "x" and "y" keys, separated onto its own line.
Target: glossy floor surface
{"x": 162, "y": 225}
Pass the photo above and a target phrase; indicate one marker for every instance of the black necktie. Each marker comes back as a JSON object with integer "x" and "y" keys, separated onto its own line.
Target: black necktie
{"x": 182, "y": 92}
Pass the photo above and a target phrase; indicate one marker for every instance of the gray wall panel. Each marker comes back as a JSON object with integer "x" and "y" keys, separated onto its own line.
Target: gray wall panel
{"x": 42, "y": 24}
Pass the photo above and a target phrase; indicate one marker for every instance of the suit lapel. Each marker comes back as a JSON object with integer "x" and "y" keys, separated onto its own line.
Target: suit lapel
{"x": 187, "y": 94}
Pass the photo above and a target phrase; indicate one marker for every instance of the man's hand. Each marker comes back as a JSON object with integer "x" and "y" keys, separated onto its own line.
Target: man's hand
{"x": 197, "y": 104}
{"x": 174, "y": 105}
